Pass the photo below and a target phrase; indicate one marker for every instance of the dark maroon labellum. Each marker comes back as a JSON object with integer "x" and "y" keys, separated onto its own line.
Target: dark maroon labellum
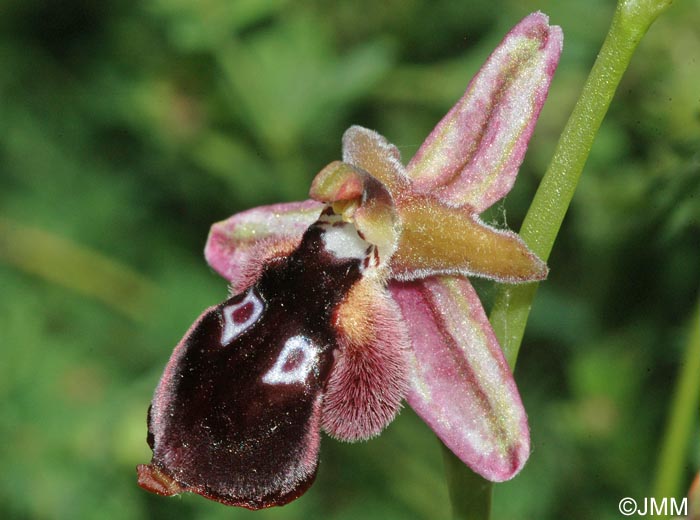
{"x": 236, "y": 416}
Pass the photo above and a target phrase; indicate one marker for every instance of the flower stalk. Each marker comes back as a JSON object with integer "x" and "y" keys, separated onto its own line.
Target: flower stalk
{"x": 630, "y": 22}
{"x": 511, "y": 309}
{"x": 679, "y": 426}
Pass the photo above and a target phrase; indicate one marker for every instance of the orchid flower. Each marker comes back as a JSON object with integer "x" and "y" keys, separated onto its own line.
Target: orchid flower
{"x": 348, "y": 303}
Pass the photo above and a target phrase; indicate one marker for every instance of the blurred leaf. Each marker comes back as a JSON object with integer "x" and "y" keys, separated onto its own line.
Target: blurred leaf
{"x": 287, "y": 78}
{"x": 205, "y": 25}
{"x": 75, "y": 267}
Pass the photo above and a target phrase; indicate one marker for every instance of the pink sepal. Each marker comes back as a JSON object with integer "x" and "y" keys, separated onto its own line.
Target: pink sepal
{"x": 238, "y": 247}
{"x": 473, "y": 155}
{"x": 461, "y": 385}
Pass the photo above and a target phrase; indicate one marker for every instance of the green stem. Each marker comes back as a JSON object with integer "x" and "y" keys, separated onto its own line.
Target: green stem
{"x": 539, "y": 230}
{"x": 471, "y": 494}
{"x": 673, "y": 459}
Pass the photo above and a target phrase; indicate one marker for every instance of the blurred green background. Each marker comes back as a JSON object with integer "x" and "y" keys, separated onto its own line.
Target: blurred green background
{"x": 127, "y": 128}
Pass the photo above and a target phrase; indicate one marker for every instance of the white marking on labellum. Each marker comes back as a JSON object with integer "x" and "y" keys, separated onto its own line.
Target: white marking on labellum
{"x": 298, "y": 358}
{"x": 342, "y": 241}
{"x": 238, "y": 317}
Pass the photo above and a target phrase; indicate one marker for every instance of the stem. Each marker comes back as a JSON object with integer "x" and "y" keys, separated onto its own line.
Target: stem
{"x": 470, "y": 494}
{"x": 673, "y": 460}
{"x": 630, "y": 22}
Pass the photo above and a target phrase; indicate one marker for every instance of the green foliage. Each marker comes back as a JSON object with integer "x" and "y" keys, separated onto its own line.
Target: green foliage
{"x": 126, "y": 129}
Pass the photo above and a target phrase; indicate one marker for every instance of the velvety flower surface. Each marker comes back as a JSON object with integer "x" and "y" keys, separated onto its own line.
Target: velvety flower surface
{"x": 346, "y": 304}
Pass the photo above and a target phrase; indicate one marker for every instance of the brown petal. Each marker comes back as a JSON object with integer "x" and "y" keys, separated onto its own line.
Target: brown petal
{"x": 437, "y": 239}
{"x": 371, "y": 151}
